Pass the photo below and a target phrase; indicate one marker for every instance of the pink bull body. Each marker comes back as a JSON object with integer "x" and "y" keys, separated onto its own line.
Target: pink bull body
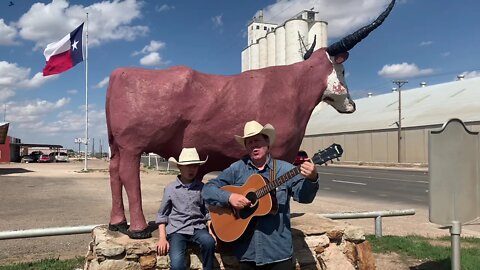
{"x": 162, "y": 111}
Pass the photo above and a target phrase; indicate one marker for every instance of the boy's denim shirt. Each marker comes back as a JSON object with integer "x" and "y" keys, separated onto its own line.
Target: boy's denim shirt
{"x": 272, "y": 239}
{"x": 182, "y": 208}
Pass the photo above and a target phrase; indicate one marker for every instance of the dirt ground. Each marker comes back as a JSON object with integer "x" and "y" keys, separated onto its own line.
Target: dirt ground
{"x": 57, "y": 195}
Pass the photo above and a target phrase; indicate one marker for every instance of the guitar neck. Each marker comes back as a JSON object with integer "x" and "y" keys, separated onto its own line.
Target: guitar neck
{"x": 272, "y": 185}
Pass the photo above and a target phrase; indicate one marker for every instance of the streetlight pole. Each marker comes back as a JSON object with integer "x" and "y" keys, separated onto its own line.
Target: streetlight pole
{"x": 399, "y": 84}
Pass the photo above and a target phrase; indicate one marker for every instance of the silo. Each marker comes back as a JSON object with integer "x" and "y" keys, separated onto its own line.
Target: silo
{"x": 271, "y": 49}
{"x": 262, "y": 53}
{"x": 280, "y": 46}
{"x": 254, "y": 56}
{"x": 293, "y": 46}
{"x": 319, "y": 28}
{"x": 246, "y": 59}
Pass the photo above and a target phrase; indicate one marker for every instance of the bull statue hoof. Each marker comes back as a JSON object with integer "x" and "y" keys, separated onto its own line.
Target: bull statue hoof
{"x": 142, "y": 234}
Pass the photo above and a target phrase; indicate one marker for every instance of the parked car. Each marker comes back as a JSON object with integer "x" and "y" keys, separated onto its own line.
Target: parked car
{"x": 36, "y": 155}
{"x": 27, "y": 159}
{"x": 301, "y": 157}
{"x": 59, "y": 157}
{"x": 44, "y": 158}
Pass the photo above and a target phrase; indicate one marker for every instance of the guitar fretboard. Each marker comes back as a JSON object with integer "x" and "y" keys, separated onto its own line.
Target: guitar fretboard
{"x": 277, "y": 182}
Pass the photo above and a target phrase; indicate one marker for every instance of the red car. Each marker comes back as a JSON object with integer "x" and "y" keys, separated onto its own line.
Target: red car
{"x": 301, "y": 157}
{"x": 44, "y": 158}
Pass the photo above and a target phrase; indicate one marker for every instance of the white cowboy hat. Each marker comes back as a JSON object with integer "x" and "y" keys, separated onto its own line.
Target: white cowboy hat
{"x": 253, "y": 128}
{"x": 188, "y": 156}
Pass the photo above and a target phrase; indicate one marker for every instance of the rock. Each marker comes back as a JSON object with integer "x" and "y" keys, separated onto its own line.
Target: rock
{"x": 148, "y": 262}
{"x": 366, "y": 261}
{"x": 350, "y": 252}
{"x": 353, "y": 233}
{"x": 318, "y": 243}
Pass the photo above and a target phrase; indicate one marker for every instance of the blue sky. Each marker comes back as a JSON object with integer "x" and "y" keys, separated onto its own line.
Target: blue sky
{"x": 421, "y": 40}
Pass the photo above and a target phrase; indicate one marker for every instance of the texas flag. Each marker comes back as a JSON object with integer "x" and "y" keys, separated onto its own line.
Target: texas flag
{"x": 64, "y": 54}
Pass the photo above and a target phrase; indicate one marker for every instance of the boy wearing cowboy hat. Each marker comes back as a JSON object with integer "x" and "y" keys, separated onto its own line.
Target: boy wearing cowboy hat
{"x": 183, "y": 216}
{"x": 270, "y": 245}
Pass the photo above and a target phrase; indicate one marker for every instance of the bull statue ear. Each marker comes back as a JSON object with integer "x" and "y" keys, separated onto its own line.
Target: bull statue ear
{"x": 341, "y": 57}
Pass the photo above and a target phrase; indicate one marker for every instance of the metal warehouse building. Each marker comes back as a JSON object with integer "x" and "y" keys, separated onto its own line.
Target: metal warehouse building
{"x": 371, "y": 133}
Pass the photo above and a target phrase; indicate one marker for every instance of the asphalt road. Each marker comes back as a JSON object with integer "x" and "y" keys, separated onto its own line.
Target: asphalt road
{"x": 400, "y": 186}
{"x": 391, "y": 185}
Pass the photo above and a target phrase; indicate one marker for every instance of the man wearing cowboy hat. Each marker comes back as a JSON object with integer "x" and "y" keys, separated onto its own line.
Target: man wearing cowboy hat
{"x": 183, "y": 216}
{"x": 270, "y": 245}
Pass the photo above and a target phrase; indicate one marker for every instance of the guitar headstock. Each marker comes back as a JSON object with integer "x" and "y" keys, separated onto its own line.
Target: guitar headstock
{"x": 334, "y": 151}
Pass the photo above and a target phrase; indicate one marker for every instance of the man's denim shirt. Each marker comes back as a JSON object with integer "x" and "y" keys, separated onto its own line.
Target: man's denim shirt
{"x": 182, "y": 208}
{"x": 272, "y": 239}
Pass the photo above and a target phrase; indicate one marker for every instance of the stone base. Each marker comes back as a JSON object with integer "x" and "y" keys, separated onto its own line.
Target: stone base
{"x": 319, "y": 243}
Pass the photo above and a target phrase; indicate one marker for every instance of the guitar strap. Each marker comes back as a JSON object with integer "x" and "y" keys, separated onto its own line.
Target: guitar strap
{"x": 273, "y": 171}
{"x": 273, "y": 176}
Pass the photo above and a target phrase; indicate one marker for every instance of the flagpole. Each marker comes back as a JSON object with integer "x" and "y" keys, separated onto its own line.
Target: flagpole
{"x": 86, "y": 99}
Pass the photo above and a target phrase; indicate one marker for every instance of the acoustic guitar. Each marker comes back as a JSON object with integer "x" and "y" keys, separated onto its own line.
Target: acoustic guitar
{"x": 230, "y": 224}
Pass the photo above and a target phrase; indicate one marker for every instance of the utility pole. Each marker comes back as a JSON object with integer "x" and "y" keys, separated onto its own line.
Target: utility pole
{"x": 93, "y": 147}
{"x": 101, "y": 150}
{"x": 399, "y": 84}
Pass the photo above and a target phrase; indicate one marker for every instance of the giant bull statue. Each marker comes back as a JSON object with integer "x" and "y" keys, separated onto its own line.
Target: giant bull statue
{"x": 162, "y": 111}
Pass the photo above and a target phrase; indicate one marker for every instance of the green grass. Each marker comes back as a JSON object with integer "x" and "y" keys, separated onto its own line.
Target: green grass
{"x": 47, "y": 264}
{"x": 435, "y": 252}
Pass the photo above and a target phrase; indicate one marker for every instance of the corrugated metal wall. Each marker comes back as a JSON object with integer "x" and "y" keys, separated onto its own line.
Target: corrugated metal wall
{"x": 379, "y": 146}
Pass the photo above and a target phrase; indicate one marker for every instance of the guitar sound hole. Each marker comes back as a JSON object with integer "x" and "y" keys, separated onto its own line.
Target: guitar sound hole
{"x": 252, "y": 197}
{"x": 248, "y": 211}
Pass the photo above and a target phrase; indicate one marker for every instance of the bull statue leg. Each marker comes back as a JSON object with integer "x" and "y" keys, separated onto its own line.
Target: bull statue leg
{"x": 117, "y": 215}
{"x": 125, "y": 172}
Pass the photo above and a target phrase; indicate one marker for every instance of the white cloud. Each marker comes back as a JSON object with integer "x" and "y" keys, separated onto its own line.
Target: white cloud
{"x": 471, "y": 74}
{"x": 151, "y": 59}
{"x": 103, "y": 83}
{"x": 28, "y": 113}
{"x": 343, "y": 17}
{"x": 46, "y": 23}
{"x": 13, "y": 77}
{"x": 445, "y": 54}
{"x": 164, "y": 7}
{"x": 152, "y": 47}
{"x": 50, "y": 120}
{"x": 72, "y": 122}
{"x": 426, "y": 43}
{"x": 152, "y": 56}
{"x": 72, "y": 91}
{"x": 217, "y": 21}
{"x": 7, "y": 34}
{"x": 6, "y": 93}
{"x": 403, "y": 70}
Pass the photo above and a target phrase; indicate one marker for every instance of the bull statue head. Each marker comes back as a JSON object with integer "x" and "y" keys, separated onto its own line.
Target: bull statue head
{"x": 337, "y": 94}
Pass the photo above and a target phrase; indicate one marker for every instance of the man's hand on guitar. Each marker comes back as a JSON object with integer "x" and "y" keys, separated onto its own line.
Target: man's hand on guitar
{"x": 238, "y": 201}
{"x": 309, "y": 170}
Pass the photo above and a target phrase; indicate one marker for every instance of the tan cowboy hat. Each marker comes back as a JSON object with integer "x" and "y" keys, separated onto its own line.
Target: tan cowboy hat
{"x": 188, "y": 156}
{"x": 253, "y": 128}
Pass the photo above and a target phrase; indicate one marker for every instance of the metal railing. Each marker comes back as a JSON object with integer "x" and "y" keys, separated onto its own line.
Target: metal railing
{"x": 88, "y": 228}
{"x": 375, "y": 214}
{"x": 47, "y": 232}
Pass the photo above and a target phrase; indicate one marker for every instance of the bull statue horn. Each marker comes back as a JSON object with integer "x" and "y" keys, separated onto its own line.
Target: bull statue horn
{"x": 310, "y": 51}
{"x": 351, "y": 40}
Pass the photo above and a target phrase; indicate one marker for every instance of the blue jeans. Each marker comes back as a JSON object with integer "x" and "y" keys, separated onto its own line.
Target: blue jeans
{"x": 178, "y": 247}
